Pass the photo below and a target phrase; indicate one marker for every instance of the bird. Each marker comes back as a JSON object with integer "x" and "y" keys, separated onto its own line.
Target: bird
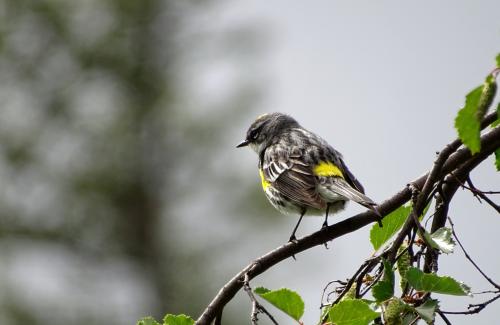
{"x": 300, "y": 172}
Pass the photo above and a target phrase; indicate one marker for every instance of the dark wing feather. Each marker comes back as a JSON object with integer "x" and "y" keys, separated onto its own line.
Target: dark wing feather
{"x": 348, "y": 186}
{"x": 340, "y": 186}
{"x": 292, "y": 177}
{"x": 350, "y": 179}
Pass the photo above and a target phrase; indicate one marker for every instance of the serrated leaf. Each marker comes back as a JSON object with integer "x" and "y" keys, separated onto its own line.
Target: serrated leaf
{"x": 148, "y": 321}
{"x": 409, "y": 319}
{"x": 284, "y": 299}
{"x": 388, "y": 272}
{"x": 497, "y": 159}
{"x": 430, "y": 282}
{"x": 384, "y": 289}
{"x": 466, "y": 122}
{"x": 177, "y": 320}
{"x": 441, "y": 239}
{"x": 390, "y": 225}
{"x": 261, "y": 290}
{"x": 427, "y": 311}
{"x": 352, "y": 312}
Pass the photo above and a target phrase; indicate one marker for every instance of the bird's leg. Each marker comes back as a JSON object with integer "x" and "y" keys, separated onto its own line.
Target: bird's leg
{"x": 292, "y": 237}
{"x": 325, "y": 224}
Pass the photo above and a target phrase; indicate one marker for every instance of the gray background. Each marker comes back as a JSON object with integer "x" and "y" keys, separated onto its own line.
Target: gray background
{"x": 122, "y": 193}
{"x": 381, "y": 81}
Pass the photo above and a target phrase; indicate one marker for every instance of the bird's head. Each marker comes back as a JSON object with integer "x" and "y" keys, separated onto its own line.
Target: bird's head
{"x": 266, "y": 128}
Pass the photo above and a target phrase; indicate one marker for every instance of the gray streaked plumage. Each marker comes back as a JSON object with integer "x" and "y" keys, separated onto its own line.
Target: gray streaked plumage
{"x": 300, "y": 171}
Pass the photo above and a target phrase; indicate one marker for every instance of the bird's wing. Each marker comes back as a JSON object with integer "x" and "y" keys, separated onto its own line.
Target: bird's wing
{"x": 335, "y": 179}
{"x": 291, "y": 176}
{"x": 349, "y": 177}
{"x": 331, "y": 187}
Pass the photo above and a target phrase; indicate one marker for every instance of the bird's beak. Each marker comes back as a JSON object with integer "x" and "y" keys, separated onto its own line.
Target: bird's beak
{"x": 244, "y": 143}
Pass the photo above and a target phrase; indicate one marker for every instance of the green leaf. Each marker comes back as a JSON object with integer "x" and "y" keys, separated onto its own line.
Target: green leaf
{"x": 409, "y": 319}
{"x": 427, "y": 311}
{"x": 497, "y": 122}
{"x": 148, "y": 321}
{"x": 177, "y": 320}
{"x": 441, "y": 239}
{"x": 352, "y": 312}
{"x": 497, "y": 159}
{"x": 466, "y": 122}
{"x": 351, "y": 293}
{"x": 390, "y": 225}
{"x": 430, "y": 282}
{"x": 284, "y": 299}
{"x": 498, "y": 60}
{"x": 384, "y": 289}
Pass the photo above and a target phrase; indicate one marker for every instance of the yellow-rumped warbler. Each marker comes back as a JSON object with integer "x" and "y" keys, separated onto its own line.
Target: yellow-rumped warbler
{"x": 300, "y": 172}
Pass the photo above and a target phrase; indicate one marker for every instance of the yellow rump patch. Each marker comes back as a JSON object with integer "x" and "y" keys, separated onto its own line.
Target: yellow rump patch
{"x": 265, "y": 184}
{"x": 326, "y": 169}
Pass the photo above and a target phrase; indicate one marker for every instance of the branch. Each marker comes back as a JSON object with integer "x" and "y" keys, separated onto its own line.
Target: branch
{"x": 443, "y": 317}
{"x": 489, "y": 143}
{"x": 256, "y": 306}
{"x": 473, "y": 308}
{"x": 481, "y": 194}
{"x": 428, "y": 189}
{"x": 467, "y": 256}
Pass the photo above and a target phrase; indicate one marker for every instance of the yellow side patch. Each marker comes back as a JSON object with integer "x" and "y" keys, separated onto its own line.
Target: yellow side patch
{"x": 326, "y": 169}
{"x": 265, "y": 184}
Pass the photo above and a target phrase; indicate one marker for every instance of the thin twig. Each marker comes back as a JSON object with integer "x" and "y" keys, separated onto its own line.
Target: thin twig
{"x": 256, "y": 306}
{"x": 342, "y": 283}
{"x": 416, "y": 213}
{"x": 415, "y": 320}
{"x": 484, "y": 292}
{"x": 473, "y": 308}
{"x": 481, "y": 194}
{"x": 443, "y": 317}
{"x": 467, "y": 256}
{"x": 368, "y": 287}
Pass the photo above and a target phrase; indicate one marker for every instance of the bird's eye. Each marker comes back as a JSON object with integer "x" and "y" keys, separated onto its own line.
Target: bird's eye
{"x": 254, "y": 134}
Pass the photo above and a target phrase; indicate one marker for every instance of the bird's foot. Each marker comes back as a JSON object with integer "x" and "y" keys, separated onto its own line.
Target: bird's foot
{"x": 294, "y": 240}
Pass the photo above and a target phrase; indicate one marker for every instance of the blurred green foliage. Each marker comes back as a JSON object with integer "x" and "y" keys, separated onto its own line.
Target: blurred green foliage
{"x": 96, "y": 120}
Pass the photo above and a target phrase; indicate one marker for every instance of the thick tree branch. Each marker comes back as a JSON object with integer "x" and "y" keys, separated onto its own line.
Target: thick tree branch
{"x": 489, "y": 142}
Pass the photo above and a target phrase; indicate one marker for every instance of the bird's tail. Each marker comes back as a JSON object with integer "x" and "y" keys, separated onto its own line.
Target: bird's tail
{"x": 339, "y": 186}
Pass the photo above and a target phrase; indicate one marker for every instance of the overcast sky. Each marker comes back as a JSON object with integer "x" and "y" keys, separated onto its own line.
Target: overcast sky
{"x": 382, "y": 82}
